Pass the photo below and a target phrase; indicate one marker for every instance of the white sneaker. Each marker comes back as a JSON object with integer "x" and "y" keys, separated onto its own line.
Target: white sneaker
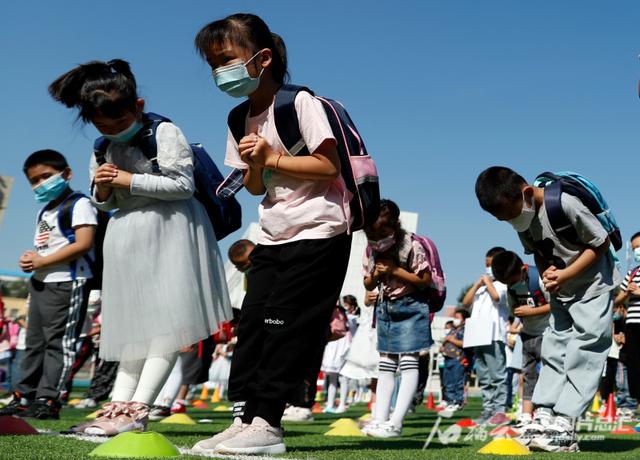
{"x": 555, "y": 439}
{"x": 384, "y": 430}
{"x": 87, "y": 403}
{"x": 297, "y": 414}
{"x": 448, "y": 411}
{"x": 369, "y": 425}
{"x": 208, "y": 446}
{"x": 257, "y": 438}
{"x": 340, "y": 410}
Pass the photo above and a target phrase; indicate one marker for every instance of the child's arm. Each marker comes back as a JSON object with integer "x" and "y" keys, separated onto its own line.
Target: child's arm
{"x": 420, "y": 281}
{"x": 491, "y": 289}
{"x": 525, "y": 310}
{"x": 468, "y": 297}
{"x": 554, "y": 277}
{"x": 84, "y": 242}
{"x": 322, "y": 164}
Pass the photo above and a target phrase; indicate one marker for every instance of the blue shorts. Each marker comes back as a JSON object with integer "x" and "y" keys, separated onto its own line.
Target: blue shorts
{"x": 403, "y": 325}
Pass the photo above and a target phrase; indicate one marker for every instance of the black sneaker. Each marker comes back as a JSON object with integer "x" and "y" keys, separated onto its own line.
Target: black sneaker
{"x": 17, "y": 406}
{"x": 159, "y": 412}
{"x": 43, "y": 409}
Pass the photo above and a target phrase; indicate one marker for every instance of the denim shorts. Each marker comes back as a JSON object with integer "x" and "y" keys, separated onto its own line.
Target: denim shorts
{"x": 403, "y": 325}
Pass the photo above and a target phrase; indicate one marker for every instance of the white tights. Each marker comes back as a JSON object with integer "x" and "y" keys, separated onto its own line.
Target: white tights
{"x": 141, "y": 380}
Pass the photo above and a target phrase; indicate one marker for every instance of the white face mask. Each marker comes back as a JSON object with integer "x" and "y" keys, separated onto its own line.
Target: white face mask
{"x": 523, "y": 221}
{"x": 457, "y": 322}
{"x": 489, "y": 272}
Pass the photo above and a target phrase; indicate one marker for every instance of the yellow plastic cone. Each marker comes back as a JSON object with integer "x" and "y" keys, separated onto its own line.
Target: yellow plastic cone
{"x": 595, "y": 407}
{"x": 347, "y": 428}
{"x": 222, "y": 408}
{"x": 215, "y": 398}
{"x": 92, "y": 415}
{"x": 74, "y": 401}
{"x": 178, "y": 419}
{"x": 204, "y": 394}
{"x": 342, "y": 422}
{"x": 504, "y": 446}
{"x": 365, "y": 417}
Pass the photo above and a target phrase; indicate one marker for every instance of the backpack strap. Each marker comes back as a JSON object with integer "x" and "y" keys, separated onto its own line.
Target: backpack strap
{"x": 286, "y": 118}
{"x": 65, "y": 224}
{"x": 237, "y": 120}
{"x": 555, "y": 213}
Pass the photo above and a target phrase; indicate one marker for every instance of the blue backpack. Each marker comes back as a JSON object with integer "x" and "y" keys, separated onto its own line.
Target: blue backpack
{"x": 357, "y": 168}
{"x": 535, "y": 295}
{"x": 225, "y": 214}
{"x": 555, "y": 184}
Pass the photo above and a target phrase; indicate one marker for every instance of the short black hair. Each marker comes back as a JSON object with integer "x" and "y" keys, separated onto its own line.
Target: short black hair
{"x": 47, "y": 157}
{"x": 498, "y": 185}
{"x": 449, "y": 322}
{"x": 506, "y": 265}
{"x": 238, "y": 248}
{"x": 634, "y": 236}
{"x": 463, "y": 311}
{"x": 494, "y": 251}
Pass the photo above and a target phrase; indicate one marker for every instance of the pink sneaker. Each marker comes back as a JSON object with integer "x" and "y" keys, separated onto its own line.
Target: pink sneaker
{"x": 178, "y": 408}
{"x": 120, "y": 418}
{"x": 499, "y": 418}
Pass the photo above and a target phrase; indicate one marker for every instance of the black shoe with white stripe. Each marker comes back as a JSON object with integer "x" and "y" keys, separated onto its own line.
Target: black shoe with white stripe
{"x": 555, "y": 438}
{"x": 17, "y": 406}
{"x": 43, "y": 409}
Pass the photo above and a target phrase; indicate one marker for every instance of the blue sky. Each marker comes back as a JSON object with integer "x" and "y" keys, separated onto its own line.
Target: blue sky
{"x": 439, "y": 91}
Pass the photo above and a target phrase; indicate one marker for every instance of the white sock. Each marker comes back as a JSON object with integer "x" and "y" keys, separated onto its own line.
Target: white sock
{"x": 344, "y": 391}
{"x": 332, "y": 389}
{"x": 127, "y": 380}
{"x": 171, "y": 387}
{"x": 154, "y": 373}
{"x": 407, "y": 390}
{"x": 384, "y": 390}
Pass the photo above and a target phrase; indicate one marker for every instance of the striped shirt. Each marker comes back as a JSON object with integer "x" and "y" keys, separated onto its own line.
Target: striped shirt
{"x": 633, "y": 312}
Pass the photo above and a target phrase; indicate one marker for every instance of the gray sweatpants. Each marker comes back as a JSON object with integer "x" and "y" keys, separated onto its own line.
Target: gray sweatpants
{"x": 56, "y": 313}
{"x": 491, "y": 362}
{"x": 574, "y": 353}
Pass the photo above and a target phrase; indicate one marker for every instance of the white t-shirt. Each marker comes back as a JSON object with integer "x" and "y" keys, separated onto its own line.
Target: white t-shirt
{"x": 296, "y": 209}
{"x": 496, "y": 314}
{"x": 49, "y": 239}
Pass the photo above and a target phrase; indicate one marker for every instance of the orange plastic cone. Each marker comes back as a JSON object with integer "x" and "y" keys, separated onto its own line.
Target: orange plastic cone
{"x": 205, "y": 393}
{"x": 317, "y": 408}
{"x": 215, "y": 398}
{"x": 610, "y": 411}
{"x": 430, "y": 404}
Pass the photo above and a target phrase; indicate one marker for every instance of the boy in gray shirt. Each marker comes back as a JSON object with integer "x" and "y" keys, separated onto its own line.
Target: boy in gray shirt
{"x": 529, "y": 301}
{"x": 580, "y": 277}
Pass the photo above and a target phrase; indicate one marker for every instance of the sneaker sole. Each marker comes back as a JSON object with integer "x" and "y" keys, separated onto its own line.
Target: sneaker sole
{"x": 275, "y": 449}
{"x": 535, "y": 447}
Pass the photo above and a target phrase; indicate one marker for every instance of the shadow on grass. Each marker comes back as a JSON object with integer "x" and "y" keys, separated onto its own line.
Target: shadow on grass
{"x": 609, "y": 445}
{"x": 379, "y": 444}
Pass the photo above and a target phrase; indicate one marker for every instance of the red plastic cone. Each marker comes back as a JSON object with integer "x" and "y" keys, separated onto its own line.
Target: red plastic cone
{"x": 610, "y": 411}
{"x": 11, "y": 425}
{"x": 466, "y": 423}
{"x": 430, "y": 404}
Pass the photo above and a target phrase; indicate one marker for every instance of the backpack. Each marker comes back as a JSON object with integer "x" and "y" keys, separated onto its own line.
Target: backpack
{"x": 357, "y": 168}
{"x": 533, "y": 285}
{"x": 65, "y": 219}
{"x": 555, "y": 184}
{"x": 339, "y": 325}
{"x": 435, "y": 294}
{"x": 225, "y": 214}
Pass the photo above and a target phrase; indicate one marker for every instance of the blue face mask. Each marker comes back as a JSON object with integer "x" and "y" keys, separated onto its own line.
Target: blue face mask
{"x": 617, "y": 316}
{"x": 50, "y": 189}
{"x": 235, "y": 80}
{"x": 636, "y": 254}
{"x": 127, "y": 134}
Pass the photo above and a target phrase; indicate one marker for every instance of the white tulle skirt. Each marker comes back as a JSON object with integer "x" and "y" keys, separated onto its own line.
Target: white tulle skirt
{"x": 361, "y": 362}
{"x": 163, "y": 278}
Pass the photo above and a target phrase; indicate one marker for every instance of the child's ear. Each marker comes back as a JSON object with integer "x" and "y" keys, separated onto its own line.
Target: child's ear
{"x": 527, "y": 191}
{"x": 266, "y": 57}
{"x": 67, "y": 174}
{"x": 139, "y": 106}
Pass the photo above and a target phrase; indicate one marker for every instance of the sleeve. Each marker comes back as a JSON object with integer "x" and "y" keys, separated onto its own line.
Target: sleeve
{"x": 108, "y": 205}
{"x": 544, "y": 291}
{"x": 590, "y": 230}
{"x": 175, "y": 159}
{"x": 625, "y": 282}
{"x": 367, "y": 262}
{"x": 314, "y": 125}
{"x": 84, "y": 213}
{"x": 419, "y": 258}
{"x": 232, "y": 154}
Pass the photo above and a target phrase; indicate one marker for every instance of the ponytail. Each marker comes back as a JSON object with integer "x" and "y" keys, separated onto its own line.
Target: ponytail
{"x": 96, "y": 87}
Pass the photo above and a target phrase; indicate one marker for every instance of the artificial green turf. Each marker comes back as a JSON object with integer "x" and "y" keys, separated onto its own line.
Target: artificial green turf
{"x": 306, "y": 441}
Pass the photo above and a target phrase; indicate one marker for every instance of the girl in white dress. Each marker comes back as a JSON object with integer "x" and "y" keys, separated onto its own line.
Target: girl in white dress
{"x": 163, "y": 278}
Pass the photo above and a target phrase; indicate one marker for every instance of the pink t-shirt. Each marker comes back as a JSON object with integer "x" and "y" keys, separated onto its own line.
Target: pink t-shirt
{"x": 394, "y": 288}
{"x": 296, "y": 209}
